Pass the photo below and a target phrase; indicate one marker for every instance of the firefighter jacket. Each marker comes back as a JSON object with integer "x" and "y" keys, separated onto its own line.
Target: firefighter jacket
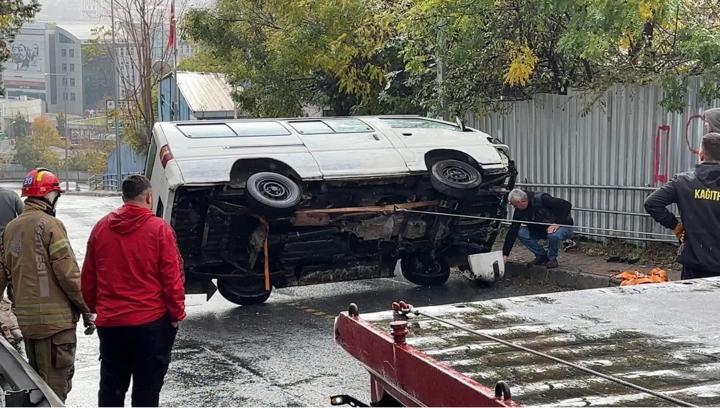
{"x": 42, "y": 272}
{"x": 697, "y": 195}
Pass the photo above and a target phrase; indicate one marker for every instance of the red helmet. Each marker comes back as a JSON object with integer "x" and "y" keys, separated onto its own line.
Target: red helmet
{"x": 39, "y": 182}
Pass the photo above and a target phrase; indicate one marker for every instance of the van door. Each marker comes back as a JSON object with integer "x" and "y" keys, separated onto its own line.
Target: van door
{"x": 345, "y": 147}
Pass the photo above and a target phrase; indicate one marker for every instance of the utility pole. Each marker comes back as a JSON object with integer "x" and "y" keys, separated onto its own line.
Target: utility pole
{"x": 118, "y": 156}
{"x": 441, "y": 68}
{"x": 65, "y": 123}
{"x": 65, "y": 130}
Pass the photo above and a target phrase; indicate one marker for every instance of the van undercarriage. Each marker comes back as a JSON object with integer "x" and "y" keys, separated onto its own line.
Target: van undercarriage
{"x": 341, "y": 230}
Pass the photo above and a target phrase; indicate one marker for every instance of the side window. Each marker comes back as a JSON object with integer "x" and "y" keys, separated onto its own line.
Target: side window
{"x": 150, "y": 161}
{"x": 311, "y": 127}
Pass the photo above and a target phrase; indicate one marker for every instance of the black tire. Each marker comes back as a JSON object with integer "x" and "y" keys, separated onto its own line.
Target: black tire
{"x": 272, "y": 194}
{"x": 239, "y": 294}
{"x": 425, "y": 270}
{"x": 455, "y": 178}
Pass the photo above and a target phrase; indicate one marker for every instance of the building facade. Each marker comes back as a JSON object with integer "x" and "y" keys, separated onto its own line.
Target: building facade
{"x": 46, "y": 63}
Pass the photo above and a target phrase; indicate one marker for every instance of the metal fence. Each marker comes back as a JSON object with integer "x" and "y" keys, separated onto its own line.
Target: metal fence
{"x": 603, "y": 161}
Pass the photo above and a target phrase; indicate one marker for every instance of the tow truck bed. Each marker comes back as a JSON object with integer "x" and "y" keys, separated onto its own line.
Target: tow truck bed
{"x": 664, "y": 337}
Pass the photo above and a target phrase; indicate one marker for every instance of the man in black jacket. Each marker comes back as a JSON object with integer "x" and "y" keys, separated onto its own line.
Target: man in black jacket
{"x": 543, "y": 208}
{"x": 697, "y": 195}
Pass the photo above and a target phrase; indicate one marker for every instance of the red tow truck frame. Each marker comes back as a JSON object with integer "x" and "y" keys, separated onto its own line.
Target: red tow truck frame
{"x": 410, "y": 377}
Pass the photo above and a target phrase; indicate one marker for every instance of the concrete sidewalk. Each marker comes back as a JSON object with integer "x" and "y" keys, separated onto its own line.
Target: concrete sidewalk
{"x": 576, "y": 271}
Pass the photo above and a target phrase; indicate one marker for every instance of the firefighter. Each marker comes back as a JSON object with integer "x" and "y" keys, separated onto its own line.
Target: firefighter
{"x": 43, "y": 281}
{"x": 697, "y": 195}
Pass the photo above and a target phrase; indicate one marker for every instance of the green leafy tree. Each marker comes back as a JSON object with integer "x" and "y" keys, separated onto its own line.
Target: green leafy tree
{"x": 283, "y": 55}
{"x": 36, "y": 150}
{"x": 93, "y": 161}
{"x": 20, "y": 126}
{"x": 505, "y": 49}
{"x": 61, "y": 124}
{"x": 383, "y": 56}
{"x": 97, "y": 74}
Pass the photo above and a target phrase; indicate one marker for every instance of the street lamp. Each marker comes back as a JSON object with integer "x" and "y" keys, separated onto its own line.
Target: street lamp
{"x": 65, "y": 125}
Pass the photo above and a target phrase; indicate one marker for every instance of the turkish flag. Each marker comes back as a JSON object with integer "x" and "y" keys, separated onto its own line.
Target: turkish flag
{"x": 171, "y": 36}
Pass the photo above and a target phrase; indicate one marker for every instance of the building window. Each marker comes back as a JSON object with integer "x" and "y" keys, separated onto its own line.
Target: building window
{"x": 72, "y": 96}
{"x": 64, "y": 81}
{"x": 64, "y": 67}
{"x": 72, "y": 81}
{"x": 65, "y": 96}
{"x": 72, "y": 67}
{"x": 72, "y": 53}
{"x": 64, "y": 52}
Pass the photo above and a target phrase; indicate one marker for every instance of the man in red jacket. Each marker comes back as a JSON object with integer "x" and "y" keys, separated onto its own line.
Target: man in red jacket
{"x": 132, "y": 278}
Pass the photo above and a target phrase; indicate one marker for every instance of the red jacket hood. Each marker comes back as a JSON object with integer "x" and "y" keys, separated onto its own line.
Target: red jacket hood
{"x": 128, "y": 218}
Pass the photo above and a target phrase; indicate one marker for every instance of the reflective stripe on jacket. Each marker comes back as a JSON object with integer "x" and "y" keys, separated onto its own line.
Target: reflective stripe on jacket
{"x": 43, "y": 273}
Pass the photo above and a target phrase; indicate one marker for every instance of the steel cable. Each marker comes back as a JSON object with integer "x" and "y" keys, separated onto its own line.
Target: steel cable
{"x": 506, "y": 221}
{"x": 556, "y": 359}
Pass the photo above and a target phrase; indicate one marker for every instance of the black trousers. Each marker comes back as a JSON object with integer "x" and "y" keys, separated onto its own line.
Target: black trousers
{"x": 694, "y": 272}
{"x": 140, "y": 352}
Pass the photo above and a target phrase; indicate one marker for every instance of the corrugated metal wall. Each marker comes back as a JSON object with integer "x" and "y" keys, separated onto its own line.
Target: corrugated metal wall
{"x": 602, "y": 161}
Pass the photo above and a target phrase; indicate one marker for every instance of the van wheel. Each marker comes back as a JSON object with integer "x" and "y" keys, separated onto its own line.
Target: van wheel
{"x": 234, "y": 291}
{"x": 425, "y": 270}
{"x": 272, "y": 194}
{"x": 455, "y": 178}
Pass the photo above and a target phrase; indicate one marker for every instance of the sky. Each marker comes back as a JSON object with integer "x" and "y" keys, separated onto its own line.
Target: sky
{"x": 77, "y": 16}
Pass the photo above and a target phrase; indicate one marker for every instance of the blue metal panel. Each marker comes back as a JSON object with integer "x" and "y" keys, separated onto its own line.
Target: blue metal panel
{"x": 167, "y": 89}
{"x": 132, "y": 162}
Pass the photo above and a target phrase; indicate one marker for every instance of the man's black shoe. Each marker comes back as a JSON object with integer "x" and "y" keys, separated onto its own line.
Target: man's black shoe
{"x": 552, "y": 264}
{"x": 539, "y": 261}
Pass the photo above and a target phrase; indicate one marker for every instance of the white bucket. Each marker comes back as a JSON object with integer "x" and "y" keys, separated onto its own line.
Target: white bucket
{"x": 483, "y": 266}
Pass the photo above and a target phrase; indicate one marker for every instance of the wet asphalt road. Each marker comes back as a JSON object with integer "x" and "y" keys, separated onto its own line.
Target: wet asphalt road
{"x": 281, "y": 353}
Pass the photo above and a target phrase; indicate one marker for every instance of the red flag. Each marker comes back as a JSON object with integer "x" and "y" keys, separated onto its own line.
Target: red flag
{"x": 171, "y": 36}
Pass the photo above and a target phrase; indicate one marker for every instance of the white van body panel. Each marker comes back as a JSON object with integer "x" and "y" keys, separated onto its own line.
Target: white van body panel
{"x": 383, "y": 152}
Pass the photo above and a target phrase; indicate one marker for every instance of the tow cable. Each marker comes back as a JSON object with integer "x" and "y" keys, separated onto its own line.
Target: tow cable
{"x": 507, "y": 221}
{"x": 405, "y": 309}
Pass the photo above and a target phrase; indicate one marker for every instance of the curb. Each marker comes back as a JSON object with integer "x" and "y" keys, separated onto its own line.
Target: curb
{"x": 566, "y": 278}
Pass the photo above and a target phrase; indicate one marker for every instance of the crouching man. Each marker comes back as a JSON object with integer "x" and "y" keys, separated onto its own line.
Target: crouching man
{"x": 542, "y": 208}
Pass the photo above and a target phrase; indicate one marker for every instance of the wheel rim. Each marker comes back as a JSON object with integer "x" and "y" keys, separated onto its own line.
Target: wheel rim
{"x": 457, "y": 174}
{"x": 428, "y": 268}
{"x": 273, "y": 190}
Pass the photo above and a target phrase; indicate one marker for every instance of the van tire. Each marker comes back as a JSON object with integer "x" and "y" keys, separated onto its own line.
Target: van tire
{"x": 455, "y": 178}
{"x": 240, "y": 294}
{"x": 424, "y": 270}
{"x": 272, "y": 194}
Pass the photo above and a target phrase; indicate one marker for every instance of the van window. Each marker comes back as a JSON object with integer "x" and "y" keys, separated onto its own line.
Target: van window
{"x": 150, "y": 161}
{"x": 314, "y": 127}
{"x": 418, "y": 123}
{"x": 331, "y": 125}
{"x": 250, "y": 129}
{"x": 349, "y": 125}
{"x": 204, "y": 131}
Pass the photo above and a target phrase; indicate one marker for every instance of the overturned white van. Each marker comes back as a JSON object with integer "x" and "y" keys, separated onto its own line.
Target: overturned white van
{"x": 268, "y": 203}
